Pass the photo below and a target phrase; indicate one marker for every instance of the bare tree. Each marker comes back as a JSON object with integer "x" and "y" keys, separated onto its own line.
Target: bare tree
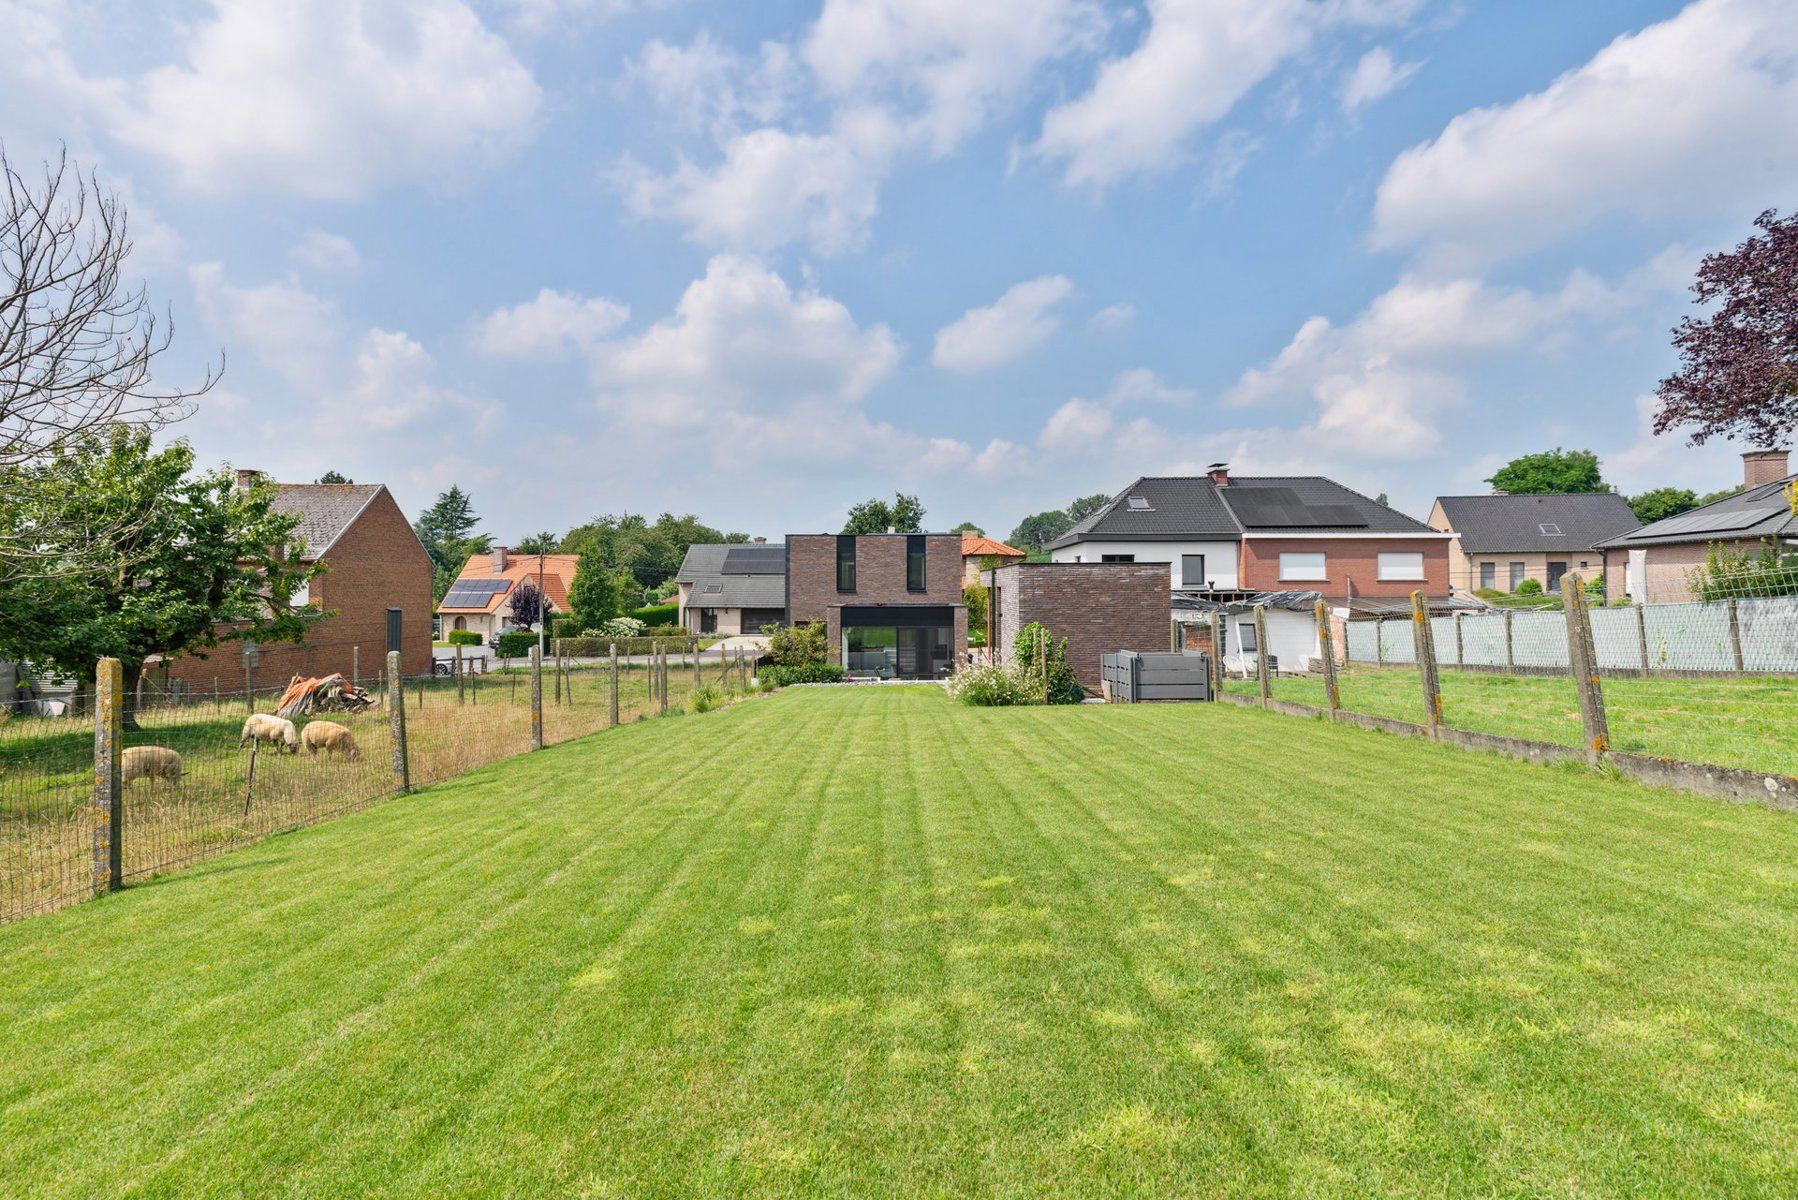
{"x": 77, "y": 341}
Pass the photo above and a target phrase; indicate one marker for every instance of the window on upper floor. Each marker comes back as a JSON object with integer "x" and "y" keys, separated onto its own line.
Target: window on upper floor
{"x": 1105, "y": 558}
{"x": 914, "y": 562}
{"x": 1303, "y": 566}
{"x": 846, "y": 562}
{"x": 1192, "y": 571}
{"x": 1401, "y": 565}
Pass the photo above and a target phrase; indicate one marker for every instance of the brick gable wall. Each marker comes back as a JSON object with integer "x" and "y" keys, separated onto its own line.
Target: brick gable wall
{"x": 1100, "y": 608}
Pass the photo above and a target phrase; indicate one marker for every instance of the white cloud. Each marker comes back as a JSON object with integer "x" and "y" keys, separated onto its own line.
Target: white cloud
{"x": 326, "y": 252}
{"x": 775, "y": 187}
{"x": 547, "y": 325}
{"x": 1006, "y": 329}
{"x": 1139, "y": 385}
{"x": 1683, "y": 119}
{"x": 281, "y": 324}
{"x": 705, "y": 85}
{"x": 391, "y": 388}
{"x": 330, "y": 100}
{"x": 540, "y": 16}
{"x": 1112, "y": 317}
{"x": 1378, "y": 74}
{"x": 1198, "y": 59}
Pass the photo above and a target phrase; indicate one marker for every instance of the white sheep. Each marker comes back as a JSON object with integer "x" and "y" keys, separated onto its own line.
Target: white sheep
{"x": 150, "y": 762}
{"x": 330, "y": 737}
{"x": 263, "y": 727}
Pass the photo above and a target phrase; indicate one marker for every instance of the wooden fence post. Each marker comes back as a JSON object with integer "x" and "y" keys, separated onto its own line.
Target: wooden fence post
{"x": 1735, "y": 634}
{"x": 396, "y": 720}
{"x": 1510, "y": 646}
{"x": 1326, "y": 642}
{"x": 1217, "y": 651}
{"x": 536, "y": 697}
{"x": 1582, "y": 663}
{"x": 1424, "y": 639}
{"x": 556, "y": 667}
{"x": 662, "y": 686}
{"x": 356, "y": 665}
{"x": 614, "y": 720}
{"x": 108, "y": 810}
{"x": 1261, "y": 673}
{"x": 459, "y": 681}
{"x": 1642, "y": 637}
{"x": 1460, "y": 645}
{"x": 693, "y": 646}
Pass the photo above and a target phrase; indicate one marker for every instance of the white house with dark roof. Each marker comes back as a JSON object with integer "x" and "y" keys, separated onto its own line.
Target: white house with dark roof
{"x": 1500, "y": 540}
{"x": 726, "y": 589}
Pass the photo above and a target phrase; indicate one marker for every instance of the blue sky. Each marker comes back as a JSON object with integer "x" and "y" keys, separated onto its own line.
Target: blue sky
{"x": 761, "y": 261}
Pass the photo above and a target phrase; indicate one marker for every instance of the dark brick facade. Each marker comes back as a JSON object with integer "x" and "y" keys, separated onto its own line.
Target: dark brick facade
{"x": 1100, "y": 608}
{"x": 375, "y": 564}
{"x": 879, "y": 580}
{"x": 1352, "y": 565}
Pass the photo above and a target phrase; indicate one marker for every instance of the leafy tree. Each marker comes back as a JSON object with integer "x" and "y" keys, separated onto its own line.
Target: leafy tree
{"x": 447, "y": 531}
{"x": 529, "y": 606}
{"x": 1043, "y": 661}
{"x": 1034, "y": 532}
{"x": 801, "y": 645}
{"x": 593, "y": 599}
{"x": 1551, "y": 472}
{"x": 904, "y": 515}
{"x": 203, "y": 562}
{"x": 334, "y": 477}
{"x": 1661, "y": 503}
{"x": 649, "y": 553}
{"x": 968, "y": 527}
{"x": 1086, "y": 506}
{"x": 974, "y": 596}
{"x": 1738, "y": 372}
{"x": 539, "y": 543}
{"x": 1720, "y": 494}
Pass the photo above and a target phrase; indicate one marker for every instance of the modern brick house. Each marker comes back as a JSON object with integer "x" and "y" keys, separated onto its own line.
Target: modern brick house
{"x": 377, "y": 581}
{"x": 891, "y": 602}
{"x": 480, "y": 599}
{"x": 1100, "y": 608}
{"x": 1501, "y": 540}
{"x": 1655, "y": 563}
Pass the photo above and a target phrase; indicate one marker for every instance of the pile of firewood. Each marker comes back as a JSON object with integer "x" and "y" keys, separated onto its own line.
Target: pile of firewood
{"x": 332, "y": 694}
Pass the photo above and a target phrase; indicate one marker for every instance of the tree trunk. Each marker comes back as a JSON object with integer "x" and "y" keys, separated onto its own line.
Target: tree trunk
{"x": 133, "y": 671}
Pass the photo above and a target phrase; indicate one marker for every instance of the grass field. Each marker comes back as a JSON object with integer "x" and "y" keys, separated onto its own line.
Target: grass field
{"x": 1744, "y": 722}
{"x": 863, "y": 942}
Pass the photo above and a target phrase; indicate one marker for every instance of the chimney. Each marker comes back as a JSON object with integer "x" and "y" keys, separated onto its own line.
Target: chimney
{"x": 1219, "y": 474}
{"x": 1763, "y": 466}
{"x": 1500, "y": 492}
{"x": 247, "y": 477}
{"x": 499, "y": 560}
{"x": 760, "y": 541}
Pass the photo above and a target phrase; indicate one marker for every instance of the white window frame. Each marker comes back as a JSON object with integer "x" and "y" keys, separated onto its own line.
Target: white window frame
{"x": 1304, "y": 572}
{"x": 302, "y": 595}
{"x": 1396, "y": 573}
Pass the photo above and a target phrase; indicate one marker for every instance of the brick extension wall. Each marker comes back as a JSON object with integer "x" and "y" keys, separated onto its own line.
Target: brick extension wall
{"x": 1352, "y": 565}
{"x": 879, "y": 579}
{"x": 377, "y": 563}
{"x": 1100, "y": 608}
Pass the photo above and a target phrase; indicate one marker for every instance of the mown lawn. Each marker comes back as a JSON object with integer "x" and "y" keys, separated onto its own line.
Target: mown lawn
{"x": 866, "y": 943}
{"x": 1745, "y": 722}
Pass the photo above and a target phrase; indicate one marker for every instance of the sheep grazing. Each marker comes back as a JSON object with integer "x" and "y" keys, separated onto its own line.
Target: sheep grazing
{"x": 150, "y": 762}
{"x": 330, "y": 737}
{"x": 278, "y": 731}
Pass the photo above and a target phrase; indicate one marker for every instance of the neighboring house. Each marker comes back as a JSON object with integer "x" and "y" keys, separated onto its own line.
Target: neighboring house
{"x": 1291, "y": 623}
{"x": 891, "y": 602}
{"x": 1219, "y": 533}
{"x": 979, "y": 552}
{"x": 1501, "y": 540}
{"x": 377, "y": 582}
{"x": 732, "y": 588}
{"x": 480, "y": 599}
{"x": 1100, "y": 608}
{"x": 1655, "y": 563}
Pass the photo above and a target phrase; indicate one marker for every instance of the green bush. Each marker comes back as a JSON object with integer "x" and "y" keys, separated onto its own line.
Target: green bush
{"x": 665, "y": 632}
{"x": 657, "y": 614}
{"x": 783, "y": 676}
{"x": 1061, "y": 687}
{"x": 706, "y": 699}
{"x": 516, "y": 643}
{"x": 464, "y": 637}
{"x": 1528, "y": 587}
{"x": 622, "y": 627}
{"x": 991, "y": 687}
{"x": 798, "y": 646}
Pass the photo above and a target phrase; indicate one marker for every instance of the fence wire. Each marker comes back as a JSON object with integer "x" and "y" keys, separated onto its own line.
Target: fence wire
{"x": 227, "y": 791}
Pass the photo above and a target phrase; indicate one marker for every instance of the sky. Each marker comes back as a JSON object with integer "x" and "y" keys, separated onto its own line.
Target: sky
{"x": 761, "y": 261}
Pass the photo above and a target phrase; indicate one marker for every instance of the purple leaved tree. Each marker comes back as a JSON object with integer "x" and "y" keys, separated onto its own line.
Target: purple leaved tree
{"x": 1738, "y": 372}
{"x": 529, "y": 606}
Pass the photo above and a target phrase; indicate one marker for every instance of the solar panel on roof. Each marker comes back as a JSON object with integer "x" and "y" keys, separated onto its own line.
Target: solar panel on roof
{"x": 1279, "y": 507}
{"x": 1707, "y": 521}
{"x": 754, "y": 560}
{"x": 474, "y": 593}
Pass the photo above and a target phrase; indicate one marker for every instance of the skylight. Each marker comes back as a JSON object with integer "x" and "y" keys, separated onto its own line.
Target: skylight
{"x": 1139, "y": 504}
{"x": 1551, "y": 530}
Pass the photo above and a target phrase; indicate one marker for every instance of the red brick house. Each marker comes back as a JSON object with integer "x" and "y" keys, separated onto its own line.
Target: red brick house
{"x": 377, "y": 581}
{"x": 891, "y": 602}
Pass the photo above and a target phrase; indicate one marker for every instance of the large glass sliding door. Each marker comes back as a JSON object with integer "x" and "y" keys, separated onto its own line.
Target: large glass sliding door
{"x": 898, "y": 642}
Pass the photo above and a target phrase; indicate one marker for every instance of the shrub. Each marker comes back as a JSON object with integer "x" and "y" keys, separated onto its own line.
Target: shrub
{"x": 657, "y": 614}
{"x": 1061, "y": 687}
{"x": 664, "y": 632}
{"x": 798, "y": 646}
{"x": 706, "y": 699}
{"x": 516, "y": 643}
{"x": 464, "y": 637}
{"x": 1528, "y": 587}
{"x": 622, "y": 627}
{"x": 784, "y": 676}
{"x": 974, "y": 596}
{"x": 1734, "y": 571}
{"x": 991, "y": 687}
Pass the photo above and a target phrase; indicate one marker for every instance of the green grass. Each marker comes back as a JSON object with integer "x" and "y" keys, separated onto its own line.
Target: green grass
{"x": 1745, "y": 722}
{"x": 868, "y": 943}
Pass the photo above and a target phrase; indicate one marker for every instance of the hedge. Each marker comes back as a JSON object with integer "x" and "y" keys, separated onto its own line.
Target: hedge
{"x": 600, "y": 647}
{"x": 515, "y": 643}
{"x": 656, "y": 614}
{"x": 463, "y": 637}
{"x": 777, "y": 676}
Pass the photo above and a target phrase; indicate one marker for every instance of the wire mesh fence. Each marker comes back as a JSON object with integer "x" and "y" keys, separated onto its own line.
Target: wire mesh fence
{"x": 196, "y": 780}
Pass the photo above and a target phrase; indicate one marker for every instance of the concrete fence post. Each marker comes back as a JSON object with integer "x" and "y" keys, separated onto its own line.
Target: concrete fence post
{"x": 536, "y": 697}
{"x": 108, "y": 809}
{"x": 614, "y": 720}
{"x": 356, "y": 665}
{"x": 1642, "y": 637}
{"x": 1326, "y": 644}
{"x": 1460, "y": 645}
{"x": 693, "y": 646}
{"x": 1261, "y": 672}
{"x": 662, "y": 685}
{"x": 1217, "y": 651}
{"x": 249, "y": 684}
{"x": 1582, "y": 662}
{"x": 1510, "y": 645}
{"x": 396, "y": 720}
{"x": 1735, "y": 635}
{"x": 459, "y": 673}
{"x": 1424, "y": 641}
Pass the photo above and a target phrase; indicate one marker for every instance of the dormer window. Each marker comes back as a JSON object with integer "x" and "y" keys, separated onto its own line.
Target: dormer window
{"x": 1550, "y": 530}
{"x": 1139, "y": 504}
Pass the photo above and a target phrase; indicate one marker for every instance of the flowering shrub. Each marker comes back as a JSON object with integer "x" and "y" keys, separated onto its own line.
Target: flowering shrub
{"x": 990, "y": 687}
{"x": 623, "y": 627}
